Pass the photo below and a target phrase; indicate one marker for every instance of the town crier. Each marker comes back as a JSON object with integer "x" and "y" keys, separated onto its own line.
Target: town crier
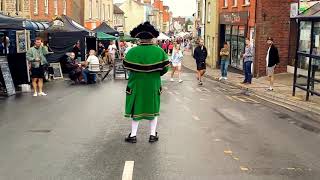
{"x": 146, "y": 64}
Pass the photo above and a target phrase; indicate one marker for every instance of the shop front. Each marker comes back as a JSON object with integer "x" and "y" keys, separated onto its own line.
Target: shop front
{"x": 234, "y": 27}
{"x": 307, "y": 64}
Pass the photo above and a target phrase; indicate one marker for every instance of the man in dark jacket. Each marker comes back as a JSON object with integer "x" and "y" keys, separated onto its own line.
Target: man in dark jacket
{"x": 200, "y": 55}
{"x": 272, "y": 59}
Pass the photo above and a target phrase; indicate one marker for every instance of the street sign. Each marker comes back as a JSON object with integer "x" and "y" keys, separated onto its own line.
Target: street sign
{"x": 6, "y": 74}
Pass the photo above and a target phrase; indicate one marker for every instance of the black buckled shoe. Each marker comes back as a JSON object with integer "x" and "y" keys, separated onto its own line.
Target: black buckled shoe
{"x": 130, "y": 139}
{"x": 153, "y": 139}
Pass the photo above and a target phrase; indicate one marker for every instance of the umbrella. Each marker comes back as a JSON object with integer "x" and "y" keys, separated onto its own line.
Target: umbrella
{"x": 105, "y": 37}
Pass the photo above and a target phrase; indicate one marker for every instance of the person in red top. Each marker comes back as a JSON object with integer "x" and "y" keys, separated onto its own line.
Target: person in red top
{"x": 170, "y": 48}
{"x": 164, "y": 47}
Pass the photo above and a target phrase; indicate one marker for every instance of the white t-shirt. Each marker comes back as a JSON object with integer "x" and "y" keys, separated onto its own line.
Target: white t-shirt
{"x": 267, "y": 58}
{"x": 92, "y": 59}
{"x": 112, "y": 48}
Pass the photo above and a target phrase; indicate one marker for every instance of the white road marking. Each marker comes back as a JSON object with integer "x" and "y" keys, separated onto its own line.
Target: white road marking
{"x": 252, "y": 100}
{"x": 238, "y": 98}
{"x": 188, "y": 99}
{"x": 207, "y": 90}
{"x": 198, "y": 89}
{"x": 203, "y": 99}
{"x": 178, "y": 100}
{"x": 196, "y": 118}
{"x": 128, "y": 170}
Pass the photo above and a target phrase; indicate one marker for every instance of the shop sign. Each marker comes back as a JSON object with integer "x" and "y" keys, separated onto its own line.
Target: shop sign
{"x": 234, "y": 18}
{"x": 294, "y": 10}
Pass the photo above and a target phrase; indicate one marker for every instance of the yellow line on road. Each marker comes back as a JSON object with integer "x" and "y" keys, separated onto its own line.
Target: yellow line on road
{"x": 238, "y": 98}
{"x": 252, "y": 100}
{"x": 230, "y": 98}
{"x": 273, "y": 102}
{"x": 128, "y": 170}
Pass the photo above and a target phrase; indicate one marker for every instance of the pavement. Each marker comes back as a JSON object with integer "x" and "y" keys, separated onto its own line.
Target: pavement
{"x": 282, "y": 88}
{"x": 215, "y": 131}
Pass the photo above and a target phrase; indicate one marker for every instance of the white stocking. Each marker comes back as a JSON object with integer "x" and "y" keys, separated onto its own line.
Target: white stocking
{"x": 153, "y": 126}
{"x": 134, "y": 128}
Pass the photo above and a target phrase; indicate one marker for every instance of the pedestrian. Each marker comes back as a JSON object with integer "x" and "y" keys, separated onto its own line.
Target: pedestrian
{"x": 164, "y": 47}
{"x": 100, "y": 49}
{"x": 176, "y": 60}
{"x": 247, "y": 60}
{"x": 200, "y": 55}
{"x": 77, "y": 50}
{"x": 147, "y": 63}
{"x": 74, "y": 68}
{"x": 272, "y": 60}
{"x": 92, "y": 60}
{"x": 225, "y": 56}
{"x": 170, "y": 48}
{"x": 112, "y": 49}
{"x": 37, "y": 60}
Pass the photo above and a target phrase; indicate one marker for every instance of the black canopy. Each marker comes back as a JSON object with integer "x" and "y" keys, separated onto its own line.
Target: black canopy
{"x": 63, "y": 33}
{"x": 65, "y": 24}
{"x": 104, "y": 27}
{"x": 7, "y": 23}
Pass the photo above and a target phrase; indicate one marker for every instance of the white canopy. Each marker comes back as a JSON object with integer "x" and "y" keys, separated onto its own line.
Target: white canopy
{"x": 162, "y": 36}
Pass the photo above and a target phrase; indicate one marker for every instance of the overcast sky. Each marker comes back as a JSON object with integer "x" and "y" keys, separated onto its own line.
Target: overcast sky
{"x": 178, "y": 7}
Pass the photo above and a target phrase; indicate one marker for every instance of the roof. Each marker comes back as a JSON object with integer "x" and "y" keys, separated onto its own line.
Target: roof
{"x": 312, "y": 13}
{"x": 117, "y": 10}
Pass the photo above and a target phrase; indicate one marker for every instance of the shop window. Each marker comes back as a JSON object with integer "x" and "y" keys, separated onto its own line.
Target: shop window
{"x": 209, "y": 12}
{"x": 35, "y": 6}
{"x": 46, "y": 7}
{"x": 316, "y": 43}
{"x": 305, "y": 37}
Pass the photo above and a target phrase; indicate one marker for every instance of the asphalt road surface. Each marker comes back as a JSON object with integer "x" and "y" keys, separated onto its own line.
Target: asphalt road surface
{"x": 213, "y": 132}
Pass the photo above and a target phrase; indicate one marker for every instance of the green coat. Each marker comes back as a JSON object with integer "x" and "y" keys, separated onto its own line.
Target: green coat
{"x": 34, "y": 53}
{"x": 147, "y": 63}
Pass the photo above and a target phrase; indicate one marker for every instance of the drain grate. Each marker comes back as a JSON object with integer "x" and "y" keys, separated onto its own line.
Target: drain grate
{"x": 40, "y": 131}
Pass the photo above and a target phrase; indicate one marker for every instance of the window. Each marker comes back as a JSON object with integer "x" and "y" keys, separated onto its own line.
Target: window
{"x": 65, "y": 7}
{"x": 19, "y": 5}
{"x": 35, "y": 8}
{"x": 209, "y": 12}
{"x": 104, "y": 11}
{"x": 55, "y": 6}
{"x": 235, "y": 3}
{"x": 90, "y": 9}
{"x": 109, "y": 12}
{"x": 225, "y": 3}
{"x": 208, "y": 45}
{"x": 46, "y": 7}
{"x": 1, "y": 5}
{"x": 98, "y": 8}
{"x": 246, "y": 2}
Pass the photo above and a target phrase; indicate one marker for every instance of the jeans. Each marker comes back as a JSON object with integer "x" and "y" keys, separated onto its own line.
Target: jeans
{"x": 224, "y": 68}
{"x": 86, "y": 74}
{"x": 247, "y": 72}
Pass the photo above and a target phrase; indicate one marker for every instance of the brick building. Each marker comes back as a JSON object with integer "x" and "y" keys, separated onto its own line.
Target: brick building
{"x": 256, "y": 20}
{"x": 46, "y": 10}
{"x": 15, "y": 8}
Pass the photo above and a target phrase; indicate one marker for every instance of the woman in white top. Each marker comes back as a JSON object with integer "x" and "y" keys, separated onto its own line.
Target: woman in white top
{"x": 176, "y": 61}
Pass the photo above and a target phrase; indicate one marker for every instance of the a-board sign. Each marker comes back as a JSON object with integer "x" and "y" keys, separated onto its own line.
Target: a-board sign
{"x": 6, "y": 74}
{"x": 57, "y": 72}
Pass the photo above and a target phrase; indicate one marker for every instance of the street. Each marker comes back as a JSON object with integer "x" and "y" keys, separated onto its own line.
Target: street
{"x": 209, "y": 132}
